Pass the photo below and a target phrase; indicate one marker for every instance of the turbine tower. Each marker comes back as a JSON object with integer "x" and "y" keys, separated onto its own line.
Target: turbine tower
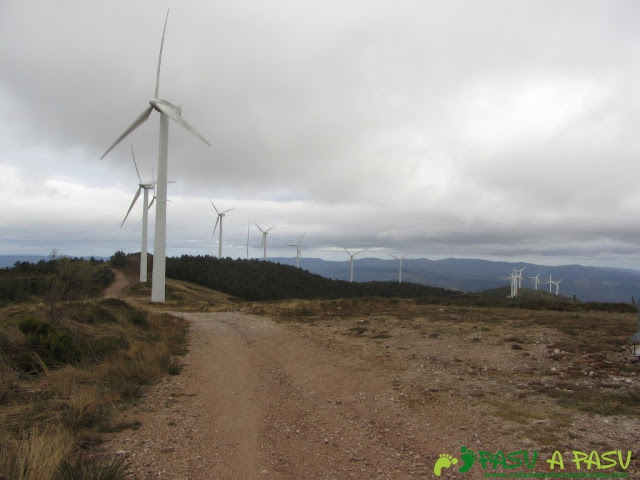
{"x": 298, "y": 253}
{"x": 351, "y": 262}
{"x": 519, "y": 275}
{"x": 219, "y": 219}
{"x": 248, "y": 225}
{"x": 167, "y": 110}
{"x": 145, "y": 217}
{"x": 264, "y": 239}
{"x": 400, "y": 266}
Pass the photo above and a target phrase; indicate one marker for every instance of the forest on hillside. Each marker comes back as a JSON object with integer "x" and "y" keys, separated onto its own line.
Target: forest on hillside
{"x": 257, "y": 280}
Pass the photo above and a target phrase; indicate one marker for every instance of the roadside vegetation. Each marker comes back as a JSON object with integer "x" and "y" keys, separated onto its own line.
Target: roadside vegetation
{"x": 69, "y": 360}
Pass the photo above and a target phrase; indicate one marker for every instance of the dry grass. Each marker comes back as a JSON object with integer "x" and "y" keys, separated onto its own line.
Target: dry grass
{"x": 50, "y": 413}
{"x": 37, "y": 453}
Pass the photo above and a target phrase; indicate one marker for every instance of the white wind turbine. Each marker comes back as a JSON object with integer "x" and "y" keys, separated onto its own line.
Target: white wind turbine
{"x": 550, "y": 282}
{"x": 351, "y": 262}
{"x": 219, "y": 219}
{"x": 519, "y": 274}
{"x": 167, "y": 110}
{"x": 264, "y": 239}
{"x": 399, "y": 266}
{"x": 536, "y": 281}
{"x": 145, "y": 217}
{"x": 513, "y": 276}
{"x": 557, "y": 284}
{"x": 298, "y": 253}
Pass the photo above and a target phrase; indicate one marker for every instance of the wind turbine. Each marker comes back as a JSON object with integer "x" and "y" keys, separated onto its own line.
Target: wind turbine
{"x": 536, "y": 281}
{"x": 264, "y": 239}
{"x": 351, "y": 262}
{"x": 400, "y": 266}
{"x": 167, "y": 110}
{"x": 513, "y": 276}
{"x": 219, "y": 219}
{"x": 550, "y": 282}
{"x": 298, "y": 253}
{"x": 557, "y": 284}
{"x": 519, "y": 275}
{"x": 145, "y": 217}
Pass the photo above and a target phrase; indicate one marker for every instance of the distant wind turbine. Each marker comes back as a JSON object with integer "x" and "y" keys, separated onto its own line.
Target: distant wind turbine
{"x": 513, "y": 276}
{"x": 550, "y": 282}
{"x": 264, "y": 239}
{"x": 557, "y": 284}
{"x": 167, "y": 110}
{"x": 146, "y": 186}
{"x": 219, "y": 219}
{"x": 399, "y": 266}
{"x": 519, "y": 274}
{"x": 351, "y": 262}
{"x": 536, "y": 281}
{"x": 298, "y": 253}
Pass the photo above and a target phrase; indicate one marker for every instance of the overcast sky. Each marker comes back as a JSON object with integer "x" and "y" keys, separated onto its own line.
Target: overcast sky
{"x": 489, "y": 129}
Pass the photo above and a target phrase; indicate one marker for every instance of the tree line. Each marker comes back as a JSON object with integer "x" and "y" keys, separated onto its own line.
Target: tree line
{"x": 257, "y": 280}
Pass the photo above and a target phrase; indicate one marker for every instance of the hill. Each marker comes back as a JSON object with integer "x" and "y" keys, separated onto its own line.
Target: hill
{"x": 257, "y": 280}
{"x": 589, "y": 284}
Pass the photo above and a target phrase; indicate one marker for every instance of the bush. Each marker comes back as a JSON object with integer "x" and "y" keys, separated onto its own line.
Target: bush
{"x": 119, "y": 259}
{"x": 54, "y": 345}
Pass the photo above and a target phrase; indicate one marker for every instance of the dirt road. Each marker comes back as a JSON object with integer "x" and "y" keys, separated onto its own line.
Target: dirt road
{"x": 255, "y": 400}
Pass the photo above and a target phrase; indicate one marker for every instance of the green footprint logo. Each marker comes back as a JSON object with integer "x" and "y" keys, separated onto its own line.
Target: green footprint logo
{"x": 444, "y": 461}
{"x": 468, "y": 458}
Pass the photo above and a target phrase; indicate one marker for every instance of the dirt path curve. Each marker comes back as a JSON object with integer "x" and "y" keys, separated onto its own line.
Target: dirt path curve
{"x": 117, "y": 287}
{"x": 258, "y": 399}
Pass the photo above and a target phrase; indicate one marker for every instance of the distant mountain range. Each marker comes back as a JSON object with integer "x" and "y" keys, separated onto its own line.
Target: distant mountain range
{"x": 595, "y": 284}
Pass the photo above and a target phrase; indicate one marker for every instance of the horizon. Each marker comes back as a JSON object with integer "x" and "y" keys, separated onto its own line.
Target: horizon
{"x": 336, "y": 259}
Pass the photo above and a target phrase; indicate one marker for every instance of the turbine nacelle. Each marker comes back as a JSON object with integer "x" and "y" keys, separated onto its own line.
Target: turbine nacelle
{"x": 154, "y": 102}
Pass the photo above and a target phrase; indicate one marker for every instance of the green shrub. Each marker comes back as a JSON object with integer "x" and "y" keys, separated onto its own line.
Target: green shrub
{"x": 54, "y": 345}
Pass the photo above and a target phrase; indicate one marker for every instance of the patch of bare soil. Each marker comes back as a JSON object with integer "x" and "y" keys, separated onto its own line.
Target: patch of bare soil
{"x": 373, "y": 394}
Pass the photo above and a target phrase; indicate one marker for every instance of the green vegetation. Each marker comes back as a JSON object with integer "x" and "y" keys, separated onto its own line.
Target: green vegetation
{"x": 256, "y": 280}
{"x": 59, "y": 279}
{"x": 68, "y": 359}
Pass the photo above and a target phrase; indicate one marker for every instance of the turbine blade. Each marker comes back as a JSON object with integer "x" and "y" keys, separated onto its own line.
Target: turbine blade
{"x": 155, "y": 95}
{"x": 214, "y": 207}
{"x": 258, "y": 227}
{"x": 136, "y": 123}
{"x": 170, "y": 112}
{"x": 151, "y": 203}
{"x": 135, "y": 164}
{"x": 271, "y": 227}
{"x": 216, "y": 226}
{"x": 228, "y": 210}
{"x": 135, "y": 198}
{"x": 301, "y": 238}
